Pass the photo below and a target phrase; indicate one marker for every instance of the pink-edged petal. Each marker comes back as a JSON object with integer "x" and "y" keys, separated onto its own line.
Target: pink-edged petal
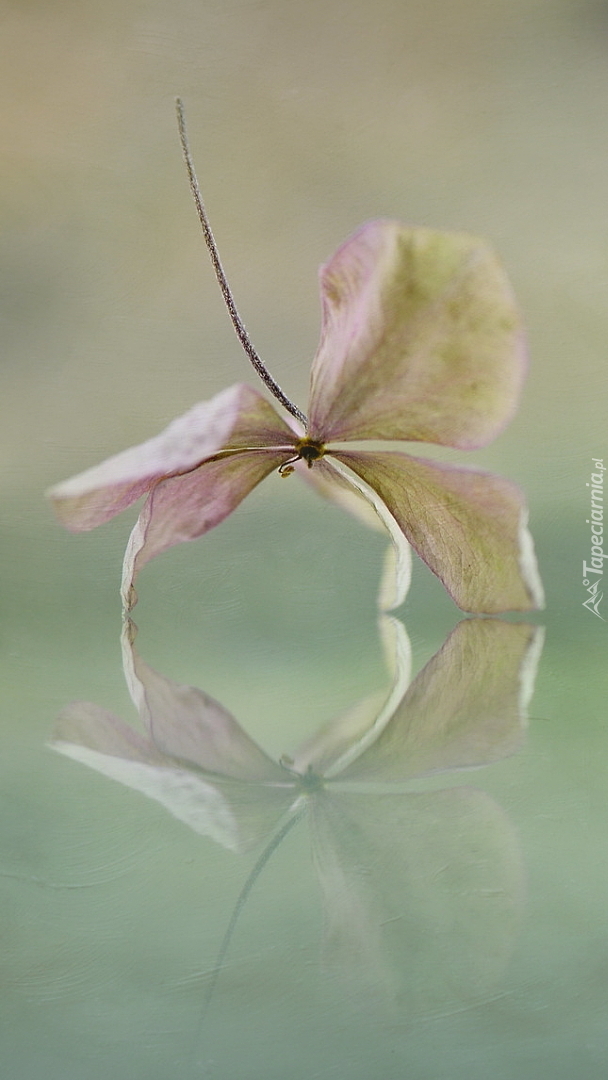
{"x": 238, "y": 417}
{"x": 84, "y": 724}
{"x": 333, "y": 482}
{"x": 421, "y": 340}
{"x": 236, "y": 815}
{"x": 185, "y": 507}
{"x": 187, "y": 724}
{"x": 465, "y": 709}
{"x": 195, "y": 759}
{"x": 468, "y": 526}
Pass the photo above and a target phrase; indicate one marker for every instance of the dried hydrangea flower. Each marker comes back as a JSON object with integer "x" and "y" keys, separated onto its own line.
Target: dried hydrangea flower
{"x": 421, "y": 341}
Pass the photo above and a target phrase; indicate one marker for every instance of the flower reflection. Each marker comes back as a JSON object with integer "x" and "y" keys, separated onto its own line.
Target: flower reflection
{"x": 421, "y": 888}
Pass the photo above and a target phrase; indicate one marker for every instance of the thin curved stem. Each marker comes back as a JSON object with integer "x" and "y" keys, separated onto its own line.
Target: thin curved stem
{"x": 242, "y": 898}
{"x": 253, "y": 876}
{"x": 237, "y": 322}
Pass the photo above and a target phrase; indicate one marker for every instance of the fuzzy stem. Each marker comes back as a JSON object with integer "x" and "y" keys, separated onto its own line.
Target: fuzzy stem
{"x": 237, "y": 322}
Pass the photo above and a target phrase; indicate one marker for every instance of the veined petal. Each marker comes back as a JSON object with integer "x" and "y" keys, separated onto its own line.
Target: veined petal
{"x": 236, "y": 418}
{"x": 360, "y": 500}
{"x": 468, "y": 526}
{"x": 420, "y": 340}
{"x": 233, "y": 814}
{"x": 184, "y": 507}
{"x": 195, "y": 759}
{"x": 94, "y": 737}
{"x": 465, "y": 709}
{"x": 186, "y": 724}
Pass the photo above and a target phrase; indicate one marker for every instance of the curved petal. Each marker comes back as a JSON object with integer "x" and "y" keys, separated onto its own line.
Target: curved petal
{"x": 465, "y": 709}
{"x": 422, "y": 894}
{"x": 230, "y": 813}
{"x": 421, "y": 340}
{"x": 184, "y": 507}
{"x": 186, "y": 724}
{"x": 345, "y": 737}
{"x": 468, "y": 526}
{"x": 236, "y": 418}
{"x": 360, "y": 500}
{"x": 84, "y": 724}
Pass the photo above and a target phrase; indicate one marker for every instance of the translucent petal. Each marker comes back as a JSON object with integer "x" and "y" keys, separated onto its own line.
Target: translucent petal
{"x": 195, "y": 759}
{"x": 345, "y": 737}
{"x": 359, "y": 499}
{"x": 468, "y": 526}
{"x": 236, "y": 418}
{"x": 421, "y": 340}
{"x": 465, "y": 709}
{"x": 422, "y": 894}
{"x": 187, "y": 724}
{"x": 184, "y": 507}
{"x": 235, "y": 815}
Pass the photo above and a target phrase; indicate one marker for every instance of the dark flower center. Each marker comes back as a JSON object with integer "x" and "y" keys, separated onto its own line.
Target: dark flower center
{"x": 310, "y": 451}
{"x": 308, "y": 781}
{"x": 306, "y": 450}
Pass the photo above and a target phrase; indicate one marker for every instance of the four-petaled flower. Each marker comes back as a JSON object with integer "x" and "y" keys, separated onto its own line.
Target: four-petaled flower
{"x": 420, "y": 341}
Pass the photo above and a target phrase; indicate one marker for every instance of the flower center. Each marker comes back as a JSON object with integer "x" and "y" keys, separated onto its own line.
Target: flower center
{"x": 308, "y": 781}
{"x": 310, "y": 451}
{"x": 306, "y": 450}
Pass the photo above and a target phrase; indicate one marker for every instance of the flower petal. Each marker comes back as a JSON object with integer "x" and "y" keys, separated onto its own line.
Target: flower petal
{"x": 345, "y": 737}
{"x": 422, "y": 894}
{"x": 468, "y": 526}
{"x": 360, "y": 500}
{"x": 230, "y": 813}
{"x": 236, "y": 418}
{"x": 186, "y": 724}
{"x": 84, "y": 724}
{"x": 421, "y": 340}
{"x": 184, "y": 507}
{"x": 466, "y": 708}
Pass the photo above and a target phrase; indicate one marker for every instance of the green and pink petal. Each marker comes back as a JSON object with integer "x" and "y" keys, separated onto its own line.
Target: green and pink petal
{"x": 421, "y": 340}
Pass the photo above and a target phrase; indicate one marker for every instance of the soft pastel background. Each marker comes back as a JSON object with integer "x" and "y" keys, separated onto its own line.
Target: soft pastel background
{"x": 305, "y": 120}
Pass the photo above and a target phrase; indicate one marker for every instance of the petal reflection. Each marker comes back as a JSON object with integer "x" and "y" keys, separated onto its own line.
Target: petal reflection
{"x": 421, "y": 893}
{"x": 421, "y": 890}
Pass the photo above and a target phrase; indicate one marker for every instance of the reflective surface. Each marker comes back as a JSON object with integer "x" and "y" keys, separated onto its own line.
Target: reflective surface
{"x": 371, "y": 906}
{"x": 421, "y": 890}
{"x": 405, "y": 920}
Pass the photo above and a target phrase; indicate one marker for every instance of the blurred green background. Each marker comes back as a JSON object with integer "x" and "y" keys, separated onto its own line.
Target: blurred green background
{"x": 305, "y": 120}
